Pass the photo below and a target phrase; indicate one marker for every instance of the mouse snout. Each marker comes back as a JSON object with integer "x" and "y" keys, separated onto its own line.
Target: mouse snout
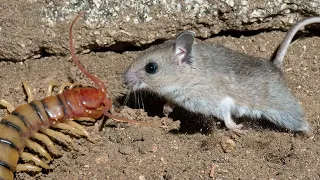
{"x": 131, "y": 79}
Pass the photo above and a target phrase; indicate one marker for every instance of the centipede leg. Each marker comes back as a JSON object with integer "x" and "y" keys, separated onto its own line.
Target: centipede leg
{"x": 38, "y": 148}
{"x": 29, "y": 157}
{"x": 28, "y": 167}
{"x": 50, "y": 145}
{"x": 85, "y": 119}
{"x": 66, "y": 126}
{"x": 67, "y": 84}
{"x": 74, "y": 84}
{"x": 28, "y": 90}
{"x": 6, "y": 104}
{"x": 51, "y": 85}
{"x": 59, "y": 135}
{"x": 62, "y": 87}
{"x": 80, "y": 128}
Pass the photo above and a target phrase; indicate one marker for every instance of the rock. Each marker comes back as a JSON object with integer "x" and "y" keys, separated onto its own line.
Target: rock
{"x": 227, "y": 145}
{"x": 40, "y": 28}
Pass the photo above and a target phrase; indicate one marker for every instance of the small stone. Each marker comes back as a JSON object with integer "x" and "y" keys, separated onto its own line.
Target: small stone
{"x": 228, "y": 145}
{"x": 262, "y": 48}
{"x": 154, "y": 148}
{"x": 127, "y": 150}
{"x": 102, "y": 160}
{"x": 314, "y": 69}
{"x": 163, "y": 160}
{"x": 288, "y": 69}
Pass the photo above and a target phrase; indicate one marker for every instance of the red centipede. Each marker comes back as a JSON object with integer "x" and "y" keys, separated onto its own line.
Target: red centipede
{"x": 33, "y": 120}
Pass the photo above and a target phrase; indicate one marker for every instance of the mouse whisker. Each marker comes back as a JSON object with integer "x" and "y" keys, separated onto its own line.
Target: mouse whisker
{"x": 135, "y": 99}
{"x": 127, "y": 98}
{"x": 138, "y": 98}
{"x": 142, "y": 101}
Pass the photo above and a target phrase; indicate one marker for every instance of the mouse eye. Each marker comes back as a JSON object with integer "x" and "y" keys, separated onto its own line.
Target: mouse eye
{"x": 151, "y": 67}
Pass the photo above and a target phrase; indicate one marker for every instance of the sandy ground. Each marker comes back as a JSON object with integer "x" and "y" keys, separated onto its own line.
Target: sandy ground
{"x": 188, "y": 145}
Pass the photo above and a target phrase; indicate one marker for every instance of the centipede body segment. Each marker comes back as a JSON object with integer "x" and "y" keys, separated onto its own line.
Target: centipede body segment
{"x": 23, "y": 123}
{"x": 30, "y": 122}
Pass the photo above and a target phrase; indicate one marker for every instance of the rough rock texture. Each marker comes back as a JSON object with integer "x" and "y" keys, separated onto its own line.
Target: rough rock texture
{"x": 34, "y": 28}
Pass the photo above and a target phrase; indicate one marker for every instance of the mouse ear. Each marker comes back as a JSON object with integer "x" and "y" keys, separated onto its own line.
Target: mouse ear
{"x": 183, "y": 46}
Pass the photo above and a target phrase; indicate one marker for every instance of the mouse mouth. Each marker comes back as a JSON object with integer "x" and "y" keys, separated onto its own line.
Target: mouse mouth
{"x": 133, "y": 82}
{"x": 137, "y": 85}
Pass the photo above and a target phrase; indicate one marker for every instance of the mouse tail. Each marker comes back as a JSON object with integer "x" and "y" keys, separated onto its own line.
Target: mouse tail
{"x": 292, "y": 120}
{"x": 282, "y": 50}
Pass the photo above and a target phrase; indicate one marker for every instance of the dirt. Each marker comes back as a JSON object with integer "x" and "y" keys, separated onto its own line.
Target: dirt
{"x": 186, "y": 146}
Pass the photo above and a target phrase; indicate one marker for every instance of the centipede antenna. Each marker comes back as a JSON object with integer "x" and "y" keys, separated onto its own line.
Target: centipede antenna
{"x": 97, "y": 81}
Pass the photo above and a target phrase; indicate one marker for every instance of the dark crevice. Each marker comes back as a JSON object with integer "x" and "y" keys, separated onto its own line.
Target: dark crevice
{"x": 239, "y": 33}
{"x": 156, "y": 42}
{"x": 44, "y": 52}
{"x": 121, "y": 47}
{"x": 310, "y": 30}
{"x": 8, "y": 60}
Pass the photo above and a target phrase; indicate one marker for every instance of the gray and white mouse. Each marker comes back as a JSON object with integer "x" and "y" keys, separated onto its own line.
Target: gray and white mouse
{"x": 216, "y": 81}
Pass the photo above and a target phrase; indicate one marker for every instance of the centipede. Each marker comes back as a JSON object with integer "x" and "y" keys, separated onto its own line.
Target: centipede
{"x": 29, "y": 125}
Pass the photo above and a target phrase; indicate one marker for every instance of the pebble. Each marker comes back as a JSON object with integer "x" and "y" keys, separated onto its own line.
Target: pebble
{"x": 228, "y": 145}
{"x": 127, "y": 150}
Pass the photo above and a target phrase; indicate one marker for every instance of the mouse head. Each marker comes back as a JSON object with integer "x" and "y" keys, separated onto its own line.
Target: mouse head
{"x": 162, "y": 68}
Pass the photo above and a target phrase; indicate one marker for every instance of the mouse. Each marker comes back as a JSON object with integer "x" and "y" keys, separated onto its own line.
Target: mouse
{"x": 213, "y": 80}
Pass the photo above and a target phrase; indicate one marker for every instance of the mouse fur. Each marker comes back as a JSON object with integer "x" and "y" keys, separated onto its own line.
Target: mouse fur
{"x": 216, "y": 81}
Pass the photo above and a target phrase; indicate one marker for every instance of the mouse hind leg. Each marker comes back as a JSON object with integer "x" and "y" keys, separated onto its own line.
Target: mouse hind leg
{"x": 224, "y": 114}
{"x": 230, "y": 124}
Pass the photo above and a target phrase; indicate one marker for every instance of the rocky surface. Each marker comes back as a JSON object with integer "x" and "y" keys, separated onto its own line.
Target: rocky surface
{"x": 34, "y": 29}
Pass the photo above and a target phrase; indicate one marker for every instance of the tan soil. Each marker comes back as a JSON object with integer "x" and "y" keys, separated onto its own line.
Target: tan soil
{"x": 140, "y": 152}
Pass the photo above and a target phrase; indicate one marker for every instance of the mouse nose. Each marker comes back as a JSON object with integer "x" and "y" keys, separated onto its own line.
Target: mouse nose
{"x": 131, "y": 79}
